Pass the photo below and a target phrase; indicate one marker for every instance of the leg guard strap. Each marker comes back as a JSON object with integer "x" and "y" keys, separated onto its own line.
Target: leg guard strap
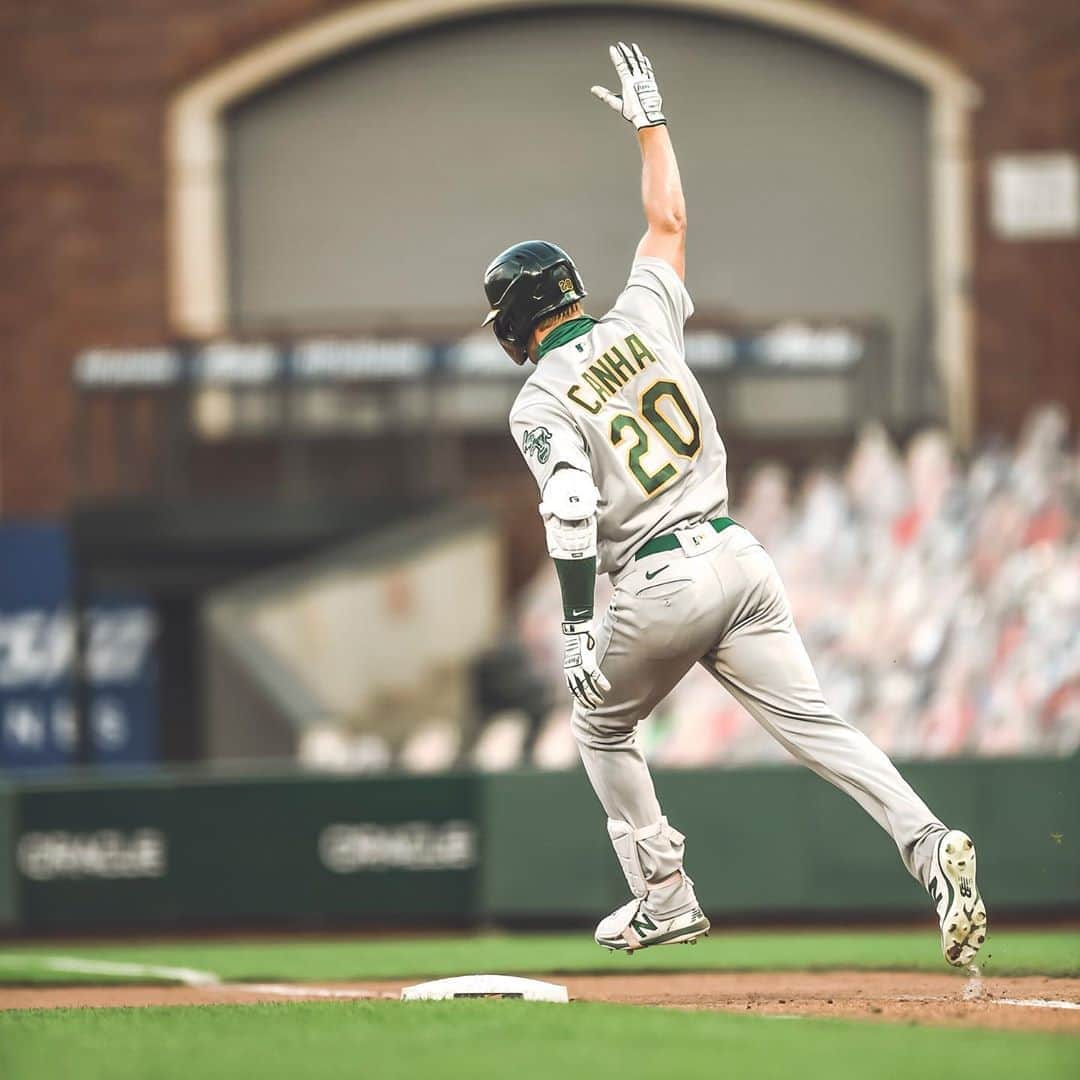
{"x": 661, "y": 844}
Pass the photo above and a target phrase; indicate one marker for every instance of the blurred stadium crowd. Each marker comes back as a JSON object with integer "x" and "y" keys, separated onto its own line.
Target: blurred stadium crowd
{"x": 940, "y": 603}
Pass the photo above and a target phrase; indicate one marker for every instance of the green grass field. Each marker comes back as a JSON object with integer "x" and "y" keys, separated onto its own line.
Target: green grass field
{"x": 512, "y": 1039}
{"x": 499, "y": 1039}
{"x": 1009, "y": 952}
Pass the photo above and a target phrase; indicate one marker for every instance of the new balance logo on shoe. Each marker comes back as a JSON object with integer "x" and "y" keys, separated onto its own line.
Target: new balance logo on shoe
{"x": 642, "y": 923}
{"x": 934, "y": 891}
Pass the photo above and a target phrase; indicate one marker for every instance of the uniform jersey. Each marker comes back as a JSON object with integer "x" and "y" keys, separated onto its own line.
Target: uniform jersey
{"x": 620, "y": 403}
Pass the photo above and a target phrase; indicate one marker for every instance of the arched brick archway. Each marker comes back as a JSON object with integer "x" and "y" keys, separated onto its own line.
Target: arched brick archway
{"x": 198, "y": 273}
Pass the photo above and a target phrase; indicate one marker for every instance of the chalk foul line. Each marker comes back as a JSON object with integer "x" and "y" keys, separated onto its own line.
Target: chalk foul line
{"x": 986, "y": 999}
{"x": 1036, "y": 1003}
{"x": 79, "y": 965}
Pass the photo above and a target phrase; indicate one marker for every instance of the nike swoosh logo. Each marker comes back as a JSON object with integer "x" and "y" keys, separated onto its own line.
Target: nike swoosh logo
{"x": 575, "y": 614}
{"x": 650, "y": 574}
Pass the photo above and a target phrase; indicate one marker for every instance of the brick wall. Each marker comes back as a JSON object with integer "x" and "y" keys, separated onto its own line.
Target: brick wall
{"x": 83, "y": 89}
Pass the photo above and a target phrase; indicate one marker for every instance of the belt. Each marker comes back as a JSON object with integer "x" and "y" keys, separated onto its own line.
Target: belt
{"x": 669, "y": 541}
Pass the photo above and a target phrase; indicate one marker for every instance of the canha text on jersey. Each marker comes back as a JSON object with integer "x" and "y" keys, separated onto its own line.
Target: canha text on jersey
{"x": 609, "y": 372}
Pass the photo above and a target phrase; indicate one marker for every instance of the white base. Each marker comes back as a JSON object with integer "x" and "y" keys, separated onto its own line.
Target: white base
{"x": 480, "y": 986}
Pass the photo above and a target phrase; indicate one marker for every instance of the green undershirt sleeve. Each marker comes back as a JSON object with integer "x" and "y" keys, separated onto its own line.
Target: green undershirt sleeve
{"x": 577, "y": 579}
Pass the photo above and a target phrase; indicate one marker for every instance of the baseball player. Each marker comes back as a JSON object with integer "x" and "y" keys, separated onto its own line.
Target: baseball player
{"x": 631, "y": 471}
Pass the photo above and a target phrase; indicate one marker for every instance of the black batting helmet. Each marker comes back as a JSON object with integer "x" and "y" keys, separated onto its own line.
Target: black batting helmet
{"x": 523, "y": 285}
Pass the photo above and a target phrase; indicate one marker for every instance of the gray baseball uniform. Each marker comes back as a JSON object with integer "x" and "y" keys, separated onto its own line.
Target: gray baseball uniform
{"x": 619, "y": 402}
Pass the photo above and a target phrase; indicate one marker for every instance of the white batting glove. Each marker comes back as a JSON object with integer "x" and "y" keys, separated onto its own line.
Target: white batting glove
{"x": 584, "y": 679}
{"x": 640, "y": 101}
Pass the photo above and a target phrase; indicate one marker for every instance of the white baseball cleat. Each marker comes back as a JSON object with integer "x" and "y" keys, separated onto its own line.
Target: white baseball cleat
{"x": 960, "y": 908}
{"x": 632, "y": 927}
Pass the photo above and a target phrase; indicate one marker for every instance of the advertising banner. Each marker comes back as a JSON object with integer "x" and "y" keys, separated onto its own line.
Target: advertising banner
{"x": 769, "y": 841}
{"x": 37, "y": 653}
{"x": 155, "y": 852}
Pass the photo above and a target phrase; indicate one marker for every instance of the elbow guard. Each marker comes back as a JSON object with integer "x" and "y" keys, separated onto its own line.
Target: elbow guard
{"x": 568, "y": 508}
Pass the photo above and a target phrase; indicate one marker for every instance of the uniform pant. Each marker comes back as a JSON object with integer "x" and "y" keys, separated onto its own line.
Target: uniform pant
{"x": 725, "y": 607}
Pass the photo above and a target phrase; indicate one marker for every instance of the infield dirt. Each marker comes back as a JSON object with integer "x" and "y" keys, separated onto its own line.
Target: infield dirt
{"x": 1031, "y": 1003}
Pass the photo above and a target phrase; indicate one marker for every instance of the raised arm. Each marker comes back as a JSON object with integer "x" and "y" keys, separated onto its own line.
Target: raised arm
{"x": 662, "y": 197}
{"x": 640, "y": 103}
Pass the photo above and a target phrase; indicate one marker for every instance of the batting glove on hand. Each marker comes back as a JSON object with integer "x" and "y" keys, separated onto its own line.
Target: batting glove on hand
{"x": 640, "y": 102}
{"x": 584, "y": 678}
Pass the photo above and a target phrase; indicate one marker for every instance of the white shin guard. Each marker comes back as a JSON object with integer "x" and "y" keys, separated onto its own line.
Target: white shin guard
{"x": 661, "y": 845}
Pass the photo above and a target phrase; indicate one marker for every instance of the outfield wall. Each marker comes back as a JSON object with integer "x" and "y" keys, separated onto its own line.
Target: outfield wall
{"x": 8, "y": 908}
{"x": 175, "y": 851}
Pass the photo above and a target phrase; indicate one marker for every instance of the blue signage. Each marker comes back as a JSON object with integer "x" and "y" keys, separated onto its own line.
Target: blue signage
{"x": 37, "y": 652}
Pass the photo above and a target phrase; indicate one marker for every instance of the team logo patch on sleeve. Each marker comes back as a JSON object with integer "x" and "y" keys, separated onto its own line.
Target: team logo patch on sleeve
{"x": 537, "y": 442}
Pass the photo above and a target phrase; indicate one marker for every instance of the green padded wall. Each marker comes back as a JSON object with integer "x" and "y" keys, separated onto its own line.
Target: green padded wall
{"x": 174, "y": 851}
